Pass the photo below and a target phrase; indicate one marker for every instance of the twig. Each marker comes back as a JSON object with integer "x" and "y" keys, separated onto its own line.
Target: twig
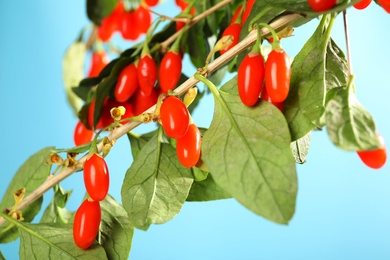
{"x": 346, "y": 31}
{"x": 249, "y": 40}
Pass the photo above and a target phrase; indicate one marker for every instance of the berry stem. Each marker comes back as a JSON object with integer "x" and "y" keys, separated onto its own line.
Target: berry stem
{"x": 346, "y": 31}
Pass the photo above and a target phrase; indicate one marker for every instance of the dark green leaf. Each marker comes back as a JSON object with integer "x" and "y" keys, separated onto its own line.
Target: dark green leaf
{"x": 305, "y": 102}
{"x": 30, "y": 175}
{"x": 56, "y": 211}
{"x": 155, "y": 186}
{"x": 137, "y": 142}
{"x": 198, "y": 46}
{"x": 207, "y": 190}
{"x": 2, "y": 256}
{"x": 73, "y": 72}
{"x": 98, "y": 9}
{"x": 300, "y": 148}
{"x": 116, "y": 230}
{"x": 349, "y": 125}
{"x": 247, "y": 150}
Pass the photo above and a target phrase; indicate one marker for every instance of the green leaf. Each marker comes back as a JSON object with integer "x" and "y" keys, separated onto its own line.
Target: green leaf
{"x": 98, "y": 9}
{"x": 207, "y": 190}
{"x": 116, "y": 230}
{"x": 53, "y": 241}
{"x": 73, "y": 72}
{"x": 197, "y": 44}
{"x": 137, "y": 142}
{"x": 305, "y": 102}
{"x": 198, "y": 174}
{"x": 300, "y": 148}
{"x": 30, "y": 175}
{"x": 2, "y": 256}
{"x": 349, "y": 125}
{"x": 247, "y": 150}
{"x": 56, "y": 211}
{"x": 155, "y": 186}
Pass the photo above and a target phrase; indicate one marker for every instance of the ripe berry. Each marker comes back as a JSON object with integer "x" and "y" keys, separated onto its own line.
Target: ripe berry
{"x": 82, "y": 135}
{"x": 147, "y": 73}
{"x": 362, "y": 4}
{"x": 127, "y": 83}
{"x": 374, "y": 158}
{"x": 170, "y": 70}
{"x": 251, "y": 78}
{"x": 322, "y": 5}
{"x": 86, "y": 223}
{"x": 277, "y": 75}
{"x": 96, "y": 177}
{"x": 234, "y": 30}
{"x": 129, "y": 26}
{"x": 151, "y": 2}
{"x": 247, "y": 11}
{"x": 143, "y": 18}
{"x": 266, "y": 97}
{"x": 188, "y": 147}
{"x": 142, "y": 102}
{"x": 99, "y": 61}
{"x": 175, "y": 118}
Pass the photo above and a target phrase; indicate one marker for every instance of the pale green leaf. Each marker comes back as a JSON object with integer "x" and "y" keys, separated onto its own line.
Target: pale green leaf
{"x": 30, "y": 175}
{"x": 349, "y": 125}
{"x": 300, "y": 148}
{"x": 116, "y": 230}
{"x": 247, "y": 150}
{"x": 73, "y": 72}
{"x": 155, "y": 186}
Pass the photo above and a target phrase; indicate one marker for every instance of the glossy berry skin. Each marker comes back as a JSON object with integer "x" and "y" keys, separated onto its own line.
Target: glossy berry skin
{"x": 175, "y": 118}
{"x": 86, "y": 223}
{"x": 374, "y": 158}
{"x": 151, "y": 2}
{"x": 96, "y": 177}
{"x": 277, "y": 75}
{"x": 129, "y": 27}
{"x": 147, "y": 74}
{"x": 91, "y": 112}
{"x": 170, "y": 71}
{"x": 251, "y": 78}
{"x": 234, "y": 30}
{"x": 126, "y": 84}
{"x": 363, "y": 4}
{"x": 188, "y": 147}
{"x": 248, "y": 8}
{"x": 321, "y": 5}
{"x": 143, "y": 18}
{"x": 82, "y": 135}
{"x": 98, "y": 62}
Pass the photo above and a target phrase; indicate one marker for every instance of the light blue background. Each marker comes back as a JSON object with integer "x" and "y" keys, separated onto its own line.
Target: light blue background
{"x": 342, "y": 210}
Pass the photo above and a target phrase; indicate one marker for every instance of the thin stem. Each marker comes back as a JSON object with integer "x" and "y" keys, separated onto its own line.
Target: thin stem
{"x": 346, "y": 31}
{"x": 249, "y": 40}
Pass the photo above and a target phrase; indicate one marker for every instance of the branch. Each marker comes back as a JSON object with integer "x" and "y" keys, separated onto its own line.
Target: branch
{"x": 249, "y": 40}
